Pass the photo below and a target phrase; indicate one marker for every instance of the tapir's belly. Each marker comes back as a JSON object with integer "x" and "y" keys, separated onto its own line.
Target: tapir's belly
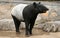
{"x": 17, "y": 11}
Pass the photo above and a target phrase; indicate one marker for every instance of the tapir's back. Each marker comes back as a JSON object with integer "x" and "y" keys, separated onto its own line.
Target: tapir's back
{"x": 17, "y": 11}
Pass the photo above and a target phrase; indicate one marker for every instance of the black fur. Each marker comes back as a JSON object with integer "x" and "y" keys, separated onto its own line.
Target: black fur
{"x": 30, "y": 13}
{"x": 16, "y": 22}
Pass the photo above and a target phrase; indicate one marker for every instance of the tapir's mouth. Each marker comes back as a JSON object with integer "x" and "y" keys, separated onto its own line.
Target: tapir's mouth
{"x": 44, "y": 11}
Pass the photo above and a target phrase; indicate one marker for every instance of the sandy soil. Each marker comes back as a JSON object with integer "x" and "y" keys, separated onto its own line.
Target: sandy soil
{"x": 37, "y": 33}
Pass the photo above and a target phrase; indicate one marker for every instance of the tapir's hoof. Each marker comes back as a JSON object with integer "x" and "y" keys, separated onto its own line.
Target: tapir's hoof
{"x": 18, "y": 32}
{"x": 27, "y": 35}
{"x": 30, "y": 34}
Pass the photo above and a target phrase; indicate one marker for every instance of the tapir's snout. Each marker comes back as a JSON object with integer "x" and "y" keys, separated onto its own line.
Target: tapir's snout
{"x": 47, "y": 9}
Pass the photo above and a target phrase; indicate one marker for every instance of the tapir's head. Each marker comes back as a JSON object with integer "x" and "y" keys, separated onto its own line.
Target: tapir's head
{"x": 40, "y": 8}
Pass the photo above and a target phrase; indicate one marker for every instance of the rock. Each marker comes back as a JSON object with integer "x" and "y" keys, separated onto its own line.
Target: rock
{"x": 38, "y": 19}
{"x": 50, "y": 26}
{"x": 22, "y": 25}
{"x": 8, "y": 24}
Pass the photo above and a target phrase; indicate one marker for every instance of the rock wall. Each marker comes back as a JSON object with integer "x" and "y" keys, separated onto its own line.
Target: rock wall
{"x": 8, "y": 24}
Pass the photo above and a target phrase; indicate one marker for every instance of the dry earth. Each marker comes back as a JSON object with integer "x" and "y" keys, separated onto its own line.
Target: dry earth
{"x": 37, "y": 33}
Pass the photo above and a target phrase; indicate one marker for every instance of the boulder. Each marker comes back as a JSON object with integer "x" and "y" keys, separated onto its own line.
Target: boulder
{"x": 8, "y": 24}
{"x": 50, "y": 26}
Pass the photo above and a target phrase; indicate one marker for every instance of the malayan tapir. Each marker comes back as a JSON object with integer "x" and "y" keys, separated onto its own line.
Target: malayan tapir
{"x": 27, "y": 13}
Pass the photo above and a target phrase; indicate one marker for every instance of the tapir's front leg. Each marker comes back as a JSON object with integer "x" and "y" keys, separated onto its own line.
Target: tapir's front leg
{"x": 27, "y": 28}
{"x": 31, "y": 26}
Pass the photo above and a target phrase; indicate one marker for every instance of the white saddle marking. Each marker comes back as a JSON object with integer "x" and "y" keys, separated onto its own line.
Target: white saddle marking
{"x": 17, "y": 11}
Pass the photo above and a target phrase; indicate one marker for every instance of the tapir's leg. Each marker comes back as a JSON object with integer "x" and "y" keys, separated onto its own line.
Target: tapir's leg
{"x": 27, "y": 27}
{"x": 31, "y": 26}
{"x": 17, "y": 23}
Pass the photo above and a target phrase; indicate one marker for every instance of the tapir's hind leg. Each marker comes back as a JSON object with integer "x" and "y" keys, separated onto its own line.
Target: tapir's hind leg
{"x": 17, "y": 23}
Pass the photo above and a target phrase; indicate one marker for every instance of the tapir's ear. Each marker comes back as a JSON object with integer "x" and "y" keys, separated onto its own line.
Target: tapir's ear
{"x": 39, "y": 2}
{"x": 34, "y": 4}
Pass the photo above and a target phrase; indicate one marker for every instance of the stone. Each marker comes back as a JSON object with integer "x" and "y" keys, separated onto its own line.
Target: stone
{"x": 8, "y": 24}
{"x": 51, "y": 26}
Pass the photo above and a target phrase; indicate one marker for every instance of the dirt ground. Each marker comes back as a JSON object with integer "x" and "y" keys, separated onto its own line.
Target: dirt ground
{"x": 37, "y": 33}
